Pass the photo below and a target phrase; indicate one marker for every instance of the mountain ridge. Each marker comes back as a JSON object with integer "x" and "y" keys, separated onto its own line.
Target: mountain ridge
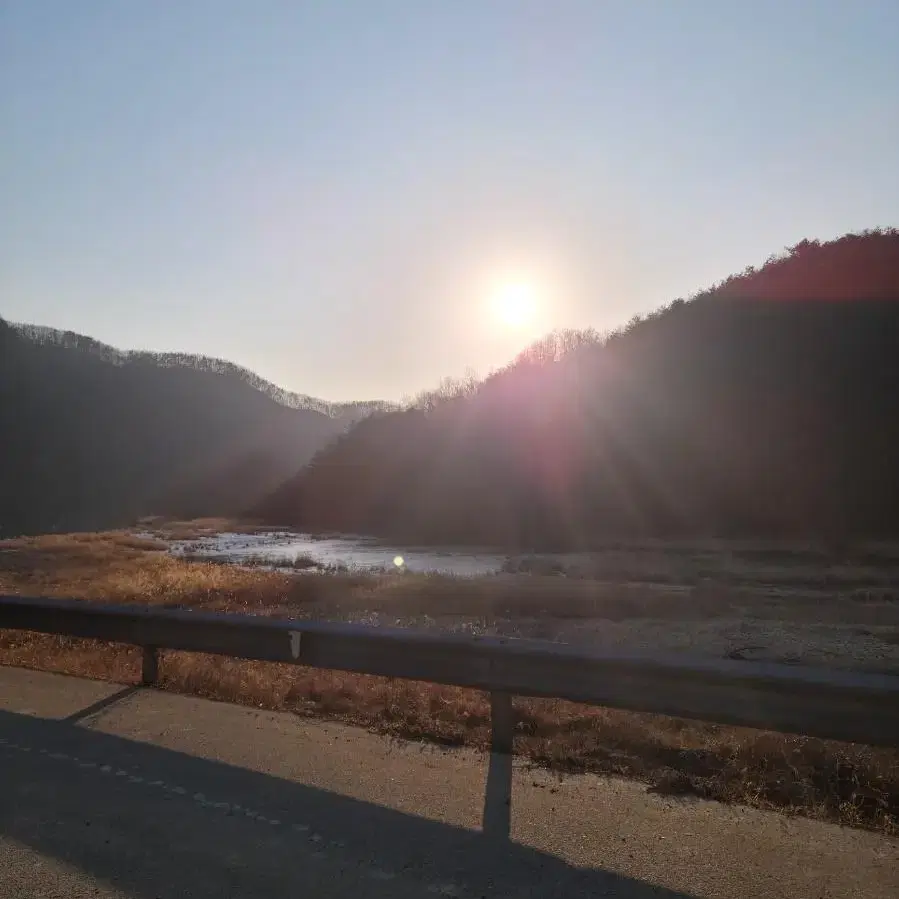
{"x": 72, "y": 339}
{"x": 767, "y": 405}
{"x": 94, "y": 438}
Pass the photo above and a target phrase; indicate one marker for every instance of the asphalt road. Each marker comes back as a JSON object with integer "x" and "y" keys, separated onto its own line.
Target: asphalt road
{"x": 112, "y": 792}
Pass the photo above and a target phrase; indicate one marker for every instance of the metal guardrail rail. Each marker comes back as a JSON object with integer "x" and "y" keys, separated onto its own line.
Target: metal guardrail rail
{"x": 831, "y": 704}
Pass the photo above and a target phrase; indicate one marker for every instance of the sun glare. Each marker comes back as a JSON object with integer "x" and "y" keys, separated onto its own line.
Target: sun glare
{"x": 515, "y": 303}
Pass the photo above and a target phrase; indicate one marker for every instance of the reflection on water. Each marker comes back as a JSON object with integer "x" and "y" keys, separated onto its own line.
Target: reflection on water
{"x": 355, "y": 553}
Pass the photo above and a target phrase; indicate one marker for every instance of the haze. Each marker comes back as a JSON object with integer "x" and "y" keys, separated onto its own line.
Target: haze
{"x": 330, "y": 194}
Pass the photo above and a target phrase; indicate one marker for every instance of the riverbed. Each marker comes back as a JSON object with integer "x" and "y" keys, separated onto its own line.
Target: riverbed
{"x": 725, "y": 599}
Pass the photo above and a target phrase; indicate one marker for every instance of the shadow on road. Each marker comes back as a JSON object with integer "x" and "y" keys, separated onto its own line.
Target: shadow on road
{"x": 102, "y": 704}
{"x": 156, "y": 822}
{"x": 497, "y": 820}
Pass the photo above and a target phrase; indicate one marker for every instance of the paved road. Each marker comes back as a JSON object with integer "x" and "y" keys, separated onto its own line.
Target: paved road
{"x": 112, "y": 792}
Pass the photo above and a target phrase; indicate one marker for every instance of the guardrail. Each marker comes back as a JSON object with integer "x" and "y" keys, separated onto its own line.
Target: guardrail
{"x": 839, "y": 705}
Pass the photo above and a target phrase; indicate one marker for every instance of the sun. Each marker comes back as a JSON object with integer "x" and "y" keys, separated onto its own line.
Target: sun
{"x": 515, "y": 303}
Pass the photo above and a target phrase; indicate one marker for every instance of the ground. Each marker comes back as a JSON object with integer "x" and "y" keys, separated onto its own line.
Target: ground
{"x": 719, "y": 599}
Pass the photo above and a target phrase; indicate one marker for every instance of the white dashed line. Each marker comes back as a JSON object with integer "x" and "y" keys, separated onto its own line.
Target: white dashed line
{"x": 378, "y": 874}
{"x": 439, "y": 889}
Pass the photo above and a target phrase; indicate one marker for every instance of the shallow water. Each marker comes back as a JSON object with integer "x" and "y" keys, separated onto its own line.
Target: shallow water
{"x": 354, "y": 553}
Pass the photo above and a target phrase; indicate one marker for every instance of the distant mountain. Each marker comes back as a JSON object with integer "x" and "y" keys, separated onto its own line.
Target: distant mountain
{"x": 94, "y": 437}
{"x": 351, "y": 411}
{"x": 766, "y": 405}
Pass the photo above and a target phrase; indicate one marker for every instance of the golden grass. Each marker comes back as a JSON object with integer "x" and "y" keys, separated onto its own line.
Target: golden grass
{"x": 198, "y": 528}
{"x": 851, "y": 784}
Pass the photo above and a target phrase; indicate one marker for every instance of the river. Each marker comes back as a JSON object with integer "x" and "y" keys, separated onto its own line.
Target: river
{"x": 345, "y": 551}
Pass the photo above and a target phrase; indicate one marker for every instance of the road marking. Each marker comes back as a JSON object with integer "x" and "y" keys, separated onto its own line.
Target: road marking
{"x": 441, "y": 889}
{"x": 445, "y": 889}
{"x": 379, "y": 874}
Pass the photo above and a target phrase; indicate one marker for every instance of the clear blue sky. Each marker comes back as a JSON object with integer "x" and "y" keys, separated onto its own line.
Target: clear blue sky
{"x": 324, "y": 191}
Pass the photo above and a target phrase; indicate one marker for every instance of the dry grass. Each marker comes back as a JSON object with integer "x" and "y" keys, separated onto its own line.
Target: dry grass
{"x": 199, "y": 528}
{"x": 852, "y": 784}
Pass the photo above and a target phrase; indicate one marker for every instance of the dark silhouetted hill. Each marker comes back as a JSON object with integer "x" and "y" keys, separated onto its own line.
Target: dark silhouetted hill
{"x": 767, "y": 405}
{"x": 93, "y": 437}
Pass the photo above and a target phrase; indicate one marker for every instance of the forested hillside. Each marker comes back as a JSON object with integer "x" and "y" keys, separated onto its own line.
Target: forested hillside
{"x": 93, "y": 438}
{"x": 767, "y": 405}
{"x": 349, "y": 412}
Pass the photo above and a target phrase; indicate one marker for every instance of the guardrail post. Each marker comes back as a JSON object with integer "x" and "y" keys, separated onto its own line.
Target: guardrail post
{"x": 150, "y": 666}
{"x": 502, "y": 724}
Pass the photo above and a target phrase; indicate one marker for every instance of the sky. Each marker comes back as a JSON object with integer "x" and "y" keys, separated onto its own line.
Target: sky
{"x": 332, "y": 193}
